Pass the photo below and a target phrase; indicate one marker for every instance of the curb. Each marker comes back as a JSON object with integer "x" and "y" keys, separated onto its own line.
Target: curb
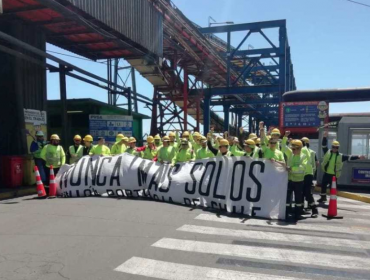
{"x": 349, "y": 195}
{"x": 18, "y": 193}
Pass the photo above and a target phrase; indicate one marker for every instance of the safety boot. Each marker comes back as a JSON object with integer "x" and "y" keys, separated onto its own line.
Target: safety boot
{"x": 315, "y": 212}
{"x": 322, "y": 199}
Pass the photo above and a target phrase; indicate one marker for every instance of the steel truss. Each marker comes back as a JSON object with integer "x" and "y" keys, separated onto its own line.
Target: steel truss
{"x": 260, "y": 85}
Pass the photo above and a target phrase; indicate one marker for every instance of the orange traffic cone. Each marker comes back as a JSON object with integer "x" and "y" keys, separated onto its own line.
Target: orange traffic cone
{"x": 39, "y": 185}
{"x": 52, "y": 184}
{"x": 332, "y": 210}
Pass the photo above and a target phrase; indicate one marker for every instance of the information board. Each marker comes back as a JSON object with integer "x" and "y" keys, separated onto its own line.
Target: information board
{"x": 302, "y": 114}
{"x": 108, "y": 126}
{"x": 361, "y": 175}
{"x": 34, "y": 121}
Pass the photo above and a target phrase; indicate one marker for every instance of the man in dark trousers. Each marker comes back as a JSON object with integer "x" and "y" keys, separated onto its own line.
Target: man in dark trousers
{"x": 332, "y": 164}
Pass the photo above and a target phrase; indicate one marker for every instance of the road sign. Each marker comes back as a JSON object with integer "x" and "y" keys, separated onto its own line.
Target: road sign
{"x": 302, "y": 114}
{"x": 361, "y": 175}
{"x": 108, "y": 126}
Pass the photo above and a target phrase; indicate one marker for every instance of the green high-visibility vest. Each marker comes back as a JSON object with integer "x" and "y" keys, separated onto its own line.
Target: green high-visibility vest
{"x": 332, "y": 163}
{"x": 298, "y": 164}
{"x": 76, "y": 154}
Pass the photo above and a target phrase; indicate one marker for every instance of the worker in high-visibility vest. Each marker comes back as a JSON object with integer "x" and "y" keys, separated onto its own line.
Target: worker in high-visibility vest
{"x": 54, "y": 155}
{"x": 234, "y": 147}
{"x": 150, "y": 151}
{"x": 36, "y": 147}
{"x": 88, "y": 140}
{"x": 100, "y": 149}
{"x": 308, "y": 175}
{"x": 119, "y": 147}
{"x": 184, "y": 153}
{"x": 203, "y": 152}
{"x": 332, "y": 164}
{"x": 250, "y": 149}
{"x": 270, "y": 151}
{"x": 275, "y": 135}
{"x": 157, "y": 141}
{"x": 296, "y": 166}
{"x": 75, "y": 152}
{"x": 223, "y": 148}
{"x": 132, "y": 149}
{"x": 167, "y": 152}
{"x": 173, "y": 136}
{"x": 185, "y": 135}
{"x": 194, "y": 139}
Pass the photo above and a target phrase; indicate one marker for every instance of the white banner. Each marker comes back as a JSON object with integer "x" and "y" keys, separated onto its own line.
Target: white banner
{"x": 234, "y": 184}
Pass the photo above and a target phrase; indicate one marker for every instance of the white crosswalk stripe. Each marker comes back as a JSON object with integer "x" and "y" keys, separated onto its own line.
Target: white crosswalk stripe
{"x": 176, "y": 271}
{"x": 262, "y": 253}
{"x": 277, "y": 224}
{"x": 278, "y": 253}
{"x": 276, "y": 236}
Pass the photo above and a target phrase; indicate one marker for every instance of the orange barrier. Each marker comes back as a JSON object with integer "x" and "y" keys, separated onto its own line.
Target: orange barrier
{"x": 52, "y": 184}
{"x": 41, "y": 193}
{"x": 332, "y": 210}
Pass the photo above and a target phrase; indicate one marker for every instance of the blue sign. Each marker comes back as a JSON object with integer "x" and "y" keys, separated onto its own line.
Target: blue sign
{"x": 301, "y": 114}
{"x": 361, "y": 175}
{"x": 108, "y": 126}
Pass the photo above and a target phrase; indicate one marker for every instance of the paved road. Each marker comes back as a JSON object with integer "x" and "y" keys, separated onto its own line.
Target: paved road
{"x": 102, "y": 238}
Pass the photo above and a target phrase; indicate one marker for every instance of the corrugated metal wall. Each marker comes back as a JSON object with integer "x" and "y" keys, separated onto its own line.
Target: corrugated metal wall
{"x": 138, "y": 20}
{"x": 22, "y": 86}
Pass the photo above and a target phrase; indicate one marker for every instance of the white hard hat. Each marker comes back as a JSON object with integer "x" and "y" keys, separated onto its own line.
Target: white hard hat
{"x": 39, "y": 133}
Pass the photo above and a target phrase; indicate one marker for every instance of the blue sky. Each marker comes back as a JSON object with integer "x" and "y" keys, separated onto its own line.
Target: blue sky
{"x": 328, "y": 38}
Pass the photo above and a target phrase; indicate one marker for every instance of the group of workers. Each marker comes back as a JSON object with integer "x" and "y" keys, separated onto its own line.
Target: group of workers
{"x": 295, "y": 155}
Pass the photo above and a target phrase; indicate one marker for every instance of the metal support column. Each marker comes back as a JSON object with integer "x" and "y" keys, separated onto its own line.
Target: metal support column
{"x": 226, "y": 117}
{"x": 114, "y": 95}
{"x": 129, "y": 101}
{"x": 240, "y": 122}
{"x": 185, "y": 93}
{"x": 228, "y": 82}
{"x": 282, "y": 61}
{"x": 206, "y": 114}
{"x": 133, "y": 80}
{"x": 153, "y": 126}
{"x": 63, "y": 99}
{"x": 198, "y": 113}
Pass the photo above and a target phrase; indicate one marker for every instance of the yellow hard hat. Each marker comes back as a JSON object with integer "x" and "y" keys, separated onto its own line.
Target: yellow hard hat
{"x": 224, "y": 142}
{"x": 335, "y": 144}
{"x": 150, "y": 139}
{"x": 297, "y": 143}
{"x": 252, "y": 136}
{"x": 119, "y": 137}
{"x": 157, "y": 137}
{"x": 54, "y": 137}
{"x": 77, "y": 137}
{"x": 171, "y": 134}
{"x": 250, "y": 142}
{"x": 305, "y": 140}
{"x": 275, "y": 131}
{"x": 186, "y": 134}
{"x": 203, "y": 139}
{"x": 258, "y": 141}
{"x": 132, "y": 140}
{"x": 196, "y": 134}
{"x": 88, "y": 138}
{"x": 125, "y": 139}
{"x": 184, "y": 141}
{"x": 165, "y": 138}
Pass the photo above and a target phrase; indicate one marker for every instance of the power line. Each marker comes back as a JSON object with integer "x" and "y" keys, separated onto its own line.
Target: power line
{"x": 358, "y": 3}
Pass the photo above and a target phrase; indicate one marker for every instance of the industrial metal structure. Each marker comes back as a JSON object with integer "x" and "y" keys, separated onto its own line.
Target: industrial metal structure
{"x": 191, "y": 69}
